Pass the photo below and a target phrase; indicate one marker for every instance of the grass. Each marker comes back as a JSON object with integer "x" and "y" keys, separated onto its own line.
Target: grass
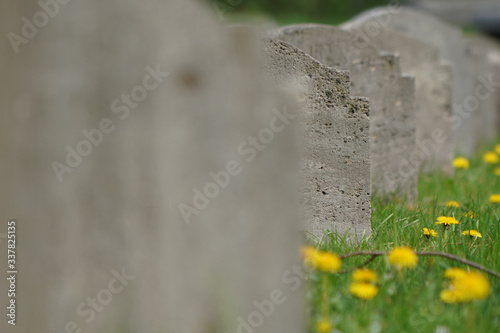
{"x": 283, "y": 20}
{"x": 234, "y": 16}
{"x": 409, "y": 301}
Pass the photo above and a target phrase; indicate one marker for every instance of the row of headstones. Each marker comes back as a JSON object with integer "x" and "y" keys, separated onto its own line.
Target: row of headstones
{"x": 432, "y": 94}
{"x": 176, "y": 209}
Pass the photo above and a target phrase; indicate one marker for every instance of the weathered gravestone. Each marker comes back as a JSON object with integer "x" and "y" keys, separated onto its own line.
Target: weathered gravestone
{"x": 450, "y": 42}
{"x": 485, "y": 55}
{"x": 378, "y": 77}
{"x": 336, "y": 166}
{"x": 110, "y": 133}
{"x": 435, "y": 134}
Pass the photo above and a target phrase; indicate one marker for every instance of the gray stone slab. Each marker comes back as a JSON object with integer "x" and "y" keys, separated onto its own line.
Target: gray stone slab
{"x": 378, "y": 77}
{"x": 449, "y": 40}
{"x": 336, "y": 167}
{"x": 485, "y": 103}
{"x": 435, "y": 133}
{"x": 117, "y": 208}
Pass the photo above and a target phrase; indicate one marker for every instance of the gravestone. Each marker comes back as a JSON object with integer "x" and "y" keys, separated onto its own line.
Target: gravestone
{"x": 336, "y": 167}
{"x": 435, "y": 132}
{"x": 127, "y": 168}
{"x": 459, "y": 12}
{"x": 449, "y": 40}
{"x": 378, "y": 77}
{"x": 485, "y": 55}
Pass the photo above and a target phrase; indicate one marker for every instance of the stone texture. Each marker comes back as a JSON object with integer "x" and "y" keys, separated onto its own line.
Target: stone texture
{"x": 119, "y": 207}
{"x": 378, "y": 77}
{"x": 435, "y": 133}
{"x": 336, "y": 165}
{"x": 449, "y": 40}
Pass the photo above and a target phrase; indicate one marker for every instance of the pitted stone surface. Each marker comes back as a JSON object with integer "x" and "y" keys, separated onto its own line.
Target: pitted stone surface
{"x": 336, "y": 166}
{"x": 452, "y": 47}
{"x": 433, "y": 79}
{"x": 378, "y": 77}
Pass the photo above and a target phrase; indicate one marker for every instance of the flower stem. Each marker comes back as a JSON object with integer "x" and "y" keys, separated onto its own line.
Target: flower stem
{"x": 325, "y": 307}
{"x": 424, "y": 254}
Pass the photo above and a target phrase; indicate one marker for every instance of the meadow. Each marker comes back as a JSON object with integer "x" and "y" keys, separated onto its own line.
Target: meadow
{"x": 416, "y": 298}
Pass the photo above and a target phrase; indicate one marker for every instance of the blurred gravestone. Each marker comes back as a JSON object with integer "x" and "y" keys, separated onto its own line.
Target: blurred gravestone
{"x": 337, "y": 143}
{"x": 450, "y": 42}
{"x": 108, "y": 138}
{"x": 484, "y": 13}
{"x": 435, "y": 133}
{"x": 485, "y": 55}
{"x": 378, "y": 77}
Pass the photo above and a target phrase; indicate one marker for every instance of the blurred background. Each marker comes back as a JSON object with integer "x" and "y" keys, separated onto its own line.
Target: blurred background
{"x": 295, "y": 11}
{"x": 473, "y": 15}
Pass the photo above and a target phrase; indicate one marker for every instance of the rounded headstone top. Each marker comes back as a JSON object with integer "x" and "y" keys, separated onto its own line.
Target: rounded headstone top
{"x": 413, "y": 22}
{"x": 330, "y": 45}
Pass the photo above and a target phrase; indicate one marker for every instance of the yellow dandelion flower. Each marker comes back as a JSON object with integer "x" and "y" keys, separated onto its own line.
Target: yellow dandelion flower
{"x": 328, "y": 262}
{"x": 495, "y": 198}
{"x": 363, "y": 290}
{"x": 465, "y": 288}
{"x": 469, "y": 214}
{"x": 460, "y": 163}
{"x": 402, "y": 257}
{"x": 320, "y": 260}
{"x": 490, "y": 158}
{"x": 472, "y": 233}
{"x": 497, "y": 171}
{"x": 429, "y": 232}
{"x": 497, "y": 148}
{"x": 450, "y": 296}
{"x": 454, "y": 273}
{"x": 363, "y": 275}
{"x": 446, "y": 220}
{"x": 308, "y": 251}
{"x": 453, "y": 204}
{"x": 323, "y": 326}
